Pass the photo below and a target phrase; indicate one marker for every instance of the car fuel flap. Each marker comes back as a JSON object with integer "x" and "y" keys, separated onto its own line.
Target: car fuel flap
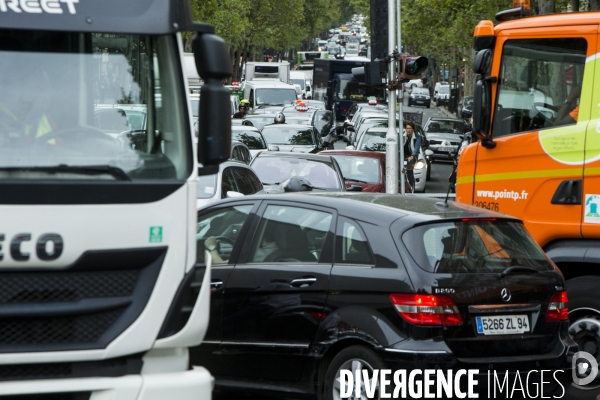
{"x": 496, "y": 311}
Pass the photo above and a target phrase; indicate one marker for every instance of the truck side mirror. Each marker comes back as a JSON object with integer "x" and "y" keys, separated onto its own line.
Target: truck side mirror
{"x": 214, "y": 135}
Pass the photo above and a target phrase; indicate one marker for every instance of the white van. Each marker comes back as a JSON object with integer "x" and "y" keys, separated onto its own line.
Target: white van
{"x": 268, "y": 92}
{"x": 301, "y": 78}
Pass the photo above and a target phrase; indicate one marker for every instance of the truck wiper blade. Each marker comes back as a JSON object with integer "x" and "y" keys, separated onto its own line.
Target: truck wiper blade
{"x": 517, "y": 269}
{"x": 78, "y": 169}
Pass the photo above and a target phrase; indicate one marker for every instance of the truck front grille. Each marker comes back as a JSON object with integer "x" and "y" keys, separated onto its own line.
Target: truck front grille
{"x": 82, "y": 307}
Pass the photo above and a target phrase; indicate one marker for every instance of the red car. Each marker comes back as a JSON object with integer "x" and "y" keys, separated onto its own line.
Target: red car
{"x": 364, "y": 168}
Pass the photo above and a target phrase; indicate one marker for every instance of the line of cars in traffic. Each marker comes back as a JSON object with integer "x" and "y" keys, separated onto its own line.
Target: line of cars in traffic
{"x": 307, "y": 284}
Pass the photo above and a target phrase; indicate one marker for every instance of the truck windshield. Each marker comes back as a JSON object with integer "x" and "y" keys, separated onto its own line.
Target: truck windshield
{"x": 537, "y": 77}
{"x": 352, "y": 90}
{"x": 275, "y": 97}
{"x": 90, "y": 106}
{"x": 300, "y": 82}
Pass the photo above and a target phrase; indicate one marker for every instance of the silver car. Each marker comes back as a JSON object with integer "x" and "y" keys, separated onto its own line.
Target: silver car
{"x": 444, "y": 136}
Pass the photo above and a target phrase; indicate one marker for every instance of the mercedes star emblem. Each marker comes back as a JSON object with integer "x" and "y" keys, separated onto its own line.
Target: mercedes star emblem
{"x": 505, "y": 294}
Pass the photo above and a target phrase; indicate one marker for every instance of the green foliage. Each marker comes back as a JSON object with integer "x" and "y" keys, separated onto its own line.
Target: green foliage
{"x": 280, "y": 24}
{"x": 443, "y": 29}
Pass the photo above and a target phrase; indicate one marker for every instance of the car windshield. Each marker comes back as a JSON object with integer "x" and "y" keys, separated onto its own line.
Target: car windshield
{"x": 274, "y": 170}
{"x": 279, "y": 134}
{"x": 474, "y": 246}
{"x": 207, "y": 186}
{"x": 275, "y": 97}
{"x": 254, "y": 140}
{"x": 373, "y": 141}
{"x": 363, "y": 169}
{"x": 420, "y": 91}
{"x": 300, "y": 82}
{"x": 446, "y": 126}
{"x": 468, "y": 101}
{"x": 353, "y": 90}
{"x": 83, "y": 104}
{"x": 444, "y": 89}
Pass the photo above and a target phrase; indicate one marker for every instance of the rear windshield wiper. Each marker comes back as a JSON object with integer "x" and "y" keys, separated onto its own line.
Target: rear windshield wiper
{"x": 517, "y": 269}
{"x": 115, "y": 172}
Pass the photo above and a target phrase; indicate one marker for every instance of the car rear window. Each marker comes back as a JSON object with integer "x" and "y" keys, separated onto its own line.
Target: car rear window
{"x": 474, "y": 246}
{"x": 252, "y": 139}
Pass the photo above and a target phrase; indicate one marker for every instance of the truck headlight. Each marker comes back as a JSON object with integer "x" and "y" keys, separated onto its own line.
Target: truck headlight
{"x": 420, "y": 165}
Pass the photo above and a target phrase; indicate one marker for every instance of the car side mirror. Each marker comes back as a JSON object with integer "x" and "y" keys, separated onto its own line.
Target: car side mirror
{"x": 428, "y": 153}
{"x": 231, "y": 193}
{"x": 351, "y": 128}
{"x": 354, "y": 188}
{"x": 273, "y": 147}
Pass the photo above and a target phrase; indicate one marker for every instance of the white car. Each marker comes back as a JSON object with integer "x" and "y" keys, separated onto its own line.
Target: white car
{"x": 234, "y": 179}
{"x": 438, "y": 85}
{"x": 414, "y": 83}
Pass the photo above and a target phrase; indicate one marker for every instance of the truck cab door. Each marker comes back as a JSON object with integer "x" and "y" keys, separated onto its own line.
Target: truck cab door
{"x": 535, "y": 171}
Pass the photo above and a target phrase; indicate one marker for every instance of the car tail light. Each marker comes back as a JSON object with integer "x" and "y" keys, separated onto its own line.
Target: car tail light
{"x": 557, "y": 309}
{"x": 344, "y": 110}
{"x": 426, "y": 309}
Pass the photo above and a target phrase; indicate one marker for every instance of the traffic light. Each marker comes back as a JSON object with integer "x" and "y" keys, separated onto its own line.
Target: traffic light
{"x": 411, "y": 67}
{"x": 379, "y": 29}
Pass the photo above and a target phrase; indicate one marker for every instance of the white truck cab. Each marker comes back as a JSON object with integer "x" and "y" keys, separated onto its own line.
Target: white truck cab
{"x": 98, "y": 174}
{"x": 267, "y": 92}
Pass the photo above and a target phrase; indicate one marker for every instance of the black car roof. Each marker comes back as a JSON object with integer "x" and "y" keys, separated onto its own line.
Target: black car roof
{"x": 381, "y": 206}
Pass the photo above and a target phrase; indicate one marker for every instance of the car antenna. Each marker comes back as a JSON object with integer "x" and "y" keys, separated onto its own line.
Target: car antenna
{"x": 444, "y": 204}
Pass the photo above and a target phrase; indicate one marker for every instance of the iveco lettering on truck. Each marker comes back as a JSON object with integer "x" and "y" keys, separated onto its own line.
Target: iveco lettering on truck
{"x": 101, "y": 292}
{"x": 536, "y": 113}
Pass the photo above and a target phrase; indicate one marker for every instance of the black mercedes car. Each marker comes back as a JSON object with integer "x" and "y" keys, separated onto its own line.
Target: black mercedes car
{"x": 306, "y": 286}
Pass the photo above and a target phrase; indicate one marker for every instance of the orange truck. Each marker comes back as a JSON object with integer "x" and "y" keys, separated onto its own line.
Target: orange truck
{"x": 537, "y": 117}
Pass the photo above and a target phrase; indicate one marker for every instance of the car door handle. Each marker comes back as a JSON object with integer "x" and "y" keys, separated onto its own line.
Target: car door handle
{"x": 303, "y": 281}
{"x": 214, "y": 285}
